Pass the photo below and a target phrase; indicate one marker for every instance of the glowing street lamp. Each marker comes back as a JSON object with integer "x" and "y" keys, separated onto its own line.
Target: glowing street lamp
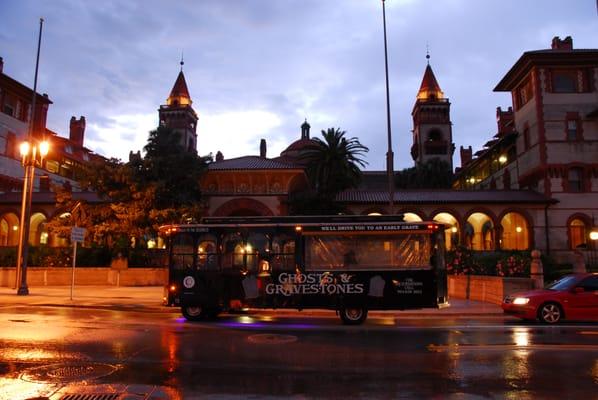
{"x": 31, "y": 153}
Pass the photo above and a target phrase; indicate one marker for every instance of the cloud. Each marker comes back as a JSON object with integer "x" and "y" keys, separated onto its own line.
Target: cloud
{"x": 238, "y": 133}
{"x": 120, "y": 134}
{"x": 259, "y": 68}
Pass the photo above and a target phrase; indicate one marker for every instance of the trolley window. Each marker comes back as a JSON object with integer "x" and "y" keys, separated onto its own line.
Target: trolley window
{"x": 182, "y": 251}
{"x": 367, "y": 252}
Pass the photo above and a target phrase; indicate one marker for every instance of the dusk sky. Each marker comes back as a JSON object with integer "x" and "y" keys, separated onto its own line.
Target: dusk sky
{"x": 257, "y": 69}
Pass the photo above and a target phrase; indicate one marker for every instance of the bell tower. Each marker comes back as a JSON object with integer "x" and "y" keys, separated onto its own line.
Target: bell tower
{"x": 178, "y": 115}
{"x": 432, "y": 127}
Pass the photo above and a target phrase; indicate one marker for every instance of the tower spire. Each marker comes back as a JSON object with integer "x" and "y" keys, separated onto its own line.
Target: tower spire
{"x": 428, "y": 53}
{"x": 182, "y": 61}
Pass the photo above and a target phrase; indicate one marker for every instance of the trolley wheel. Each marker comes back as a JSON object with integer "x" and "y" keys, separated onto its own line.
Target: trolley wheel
{"x": 353, "y": 315}
{"x": 193, "y": 313}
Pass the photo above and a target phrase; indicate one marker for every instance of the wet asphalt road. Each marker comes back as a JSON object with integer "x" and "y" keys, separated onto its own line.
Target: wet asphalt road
{"x": 48, "y": 352}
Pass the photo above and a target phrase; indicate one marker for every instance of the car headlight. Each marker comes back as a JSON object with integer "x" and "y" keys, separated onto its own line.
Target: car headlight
{"x": 520, "y": 301}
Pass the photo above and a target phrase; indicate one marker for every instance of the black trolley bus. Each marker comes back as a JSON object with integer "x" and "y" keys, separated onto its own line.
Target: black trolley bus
{"x": 351, "y": 264}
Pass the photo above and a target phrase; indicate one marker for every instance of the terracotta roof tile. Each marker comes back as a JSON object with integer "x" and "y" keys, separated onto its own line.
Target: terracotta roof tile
{"x": 249, "y": 162}
{"x": 445, "y": 196}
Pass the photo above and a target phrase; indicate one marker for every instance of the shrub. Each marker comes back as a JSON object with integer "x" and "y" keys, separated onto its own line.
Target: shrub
{"x": 495, "y": 263}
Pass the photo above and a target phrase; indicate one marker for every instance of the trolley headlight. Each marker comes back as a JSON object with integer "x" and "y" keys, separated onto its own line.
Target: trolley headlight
{"x": 172, "y": 288}
{"x": 520, "y": 301}
{"x": 189, "y": 282}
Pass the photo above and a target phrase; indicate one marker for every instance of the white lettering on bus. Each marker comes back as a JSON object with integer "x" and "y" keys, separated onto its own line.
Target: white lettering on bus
{"x": 312, "y": 284}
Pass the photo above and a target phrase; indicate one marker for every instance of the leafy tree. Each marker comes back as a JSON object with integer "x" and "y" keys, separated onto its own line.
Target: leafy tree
{"x": 333, "y": 163}
{"x": 170, "y": 171}
{"x": 135, "y": 198}
{"x": 433, "y": 174}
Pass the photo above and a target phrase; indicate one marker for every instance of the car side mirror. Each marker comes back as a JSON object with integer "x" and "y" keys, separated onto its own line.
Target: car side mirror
{"x": 578, "y": 289}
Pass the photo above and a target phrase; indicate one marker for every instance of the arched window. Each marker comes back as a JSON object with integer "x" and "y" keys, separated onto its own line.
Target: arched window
{"x": 233, "y": 251}
{"x": 451, "y": 232}
{"x": 411, "y": 217}
{"x": 9, "y": 235}
{"x": 182, "y": 251}
{"x": 480, "y": 232}
{"x": 283, "y": 253}
{"x": 577, "y": 233}
{"x": 258, "y": 245}
{"x": 207, "y": 254}
{"x": 37, "y": 230}
{"x": 515, "y": 232}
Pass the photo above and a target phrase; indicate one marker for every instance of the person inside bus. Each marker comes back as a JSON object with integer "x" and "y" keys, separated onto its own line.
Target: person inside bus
{"x": 349, "y": 258}
{"x": 264, "y": 265}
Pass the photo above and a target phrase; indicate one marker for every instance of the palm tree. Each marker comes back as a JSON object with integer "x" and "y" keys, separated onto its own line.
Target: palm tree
{"x": 333, "y": 164}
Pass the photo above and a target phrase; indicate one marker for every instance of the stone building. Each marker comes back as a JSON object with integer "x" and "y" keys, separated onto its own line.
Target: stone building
{"x": 59, "y": 167}
{"x": 534, "y": 185}
{"x": 547, "y": 142}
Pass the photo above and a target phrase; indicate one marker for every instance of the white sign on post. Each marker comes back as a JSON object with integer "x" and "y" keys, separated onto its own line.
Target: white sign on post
{"x": 77, "y": 234}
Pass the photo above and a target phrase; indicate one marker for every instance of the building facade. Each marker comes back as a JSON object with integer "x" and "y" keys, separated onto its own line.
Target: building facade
{"x": 179, "y": 115}
{"x": 547, "y": 142}
{"x": 432, "y": 127}
{"x": 59, "y": 167}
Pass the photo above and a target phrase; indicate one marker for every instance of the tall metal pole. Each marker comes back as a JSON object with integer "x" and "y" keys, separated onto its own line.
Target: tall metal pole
{"x": 389, "y": 154}
{"x": 29, "y": 162}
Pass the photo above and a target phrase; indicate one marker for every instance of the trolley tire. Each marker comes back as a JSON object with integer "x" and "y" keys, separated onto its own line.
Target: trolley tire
{"x": 353, "y": 315}
{"x": 193, "y": 313}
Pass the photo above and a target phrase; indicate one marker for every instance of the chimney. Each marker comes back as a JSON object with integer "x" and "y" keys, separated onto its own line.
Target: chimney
{"x": 219, "y": 156}
{"x": 504, "y": 121}
{"x": 466, "y": 155}
{"x": 263, "y": 148}
{"x": 77, "y": 131}
{"x": 1, "y": 64}
{"x": 134, "y": 157}
{"x": 565, "y": 44}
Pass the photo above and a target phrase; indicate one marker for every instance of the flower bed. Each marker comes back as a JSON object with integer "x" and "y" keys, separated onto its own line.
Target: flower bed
{"x": 463, "y": 261}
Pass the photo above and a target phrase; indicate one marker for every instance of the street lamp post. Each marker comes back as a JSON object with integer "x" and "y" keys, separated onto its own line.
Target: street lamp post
{"x": 389, "y": 154}
{"x": 30, "y": 152}
{"x": 30, "y": 155}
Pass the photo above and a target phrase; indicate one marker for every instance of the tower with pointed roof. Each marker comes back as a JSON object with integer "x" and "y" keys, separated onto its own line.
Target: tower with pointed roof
{"x": 432, "y": 127}
{"x": 178, "y": 114}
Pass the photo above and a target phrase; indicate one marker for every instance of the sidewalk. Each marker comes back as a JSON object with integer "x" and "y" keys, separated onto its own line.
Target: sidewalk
{"x": 149, "y": 299}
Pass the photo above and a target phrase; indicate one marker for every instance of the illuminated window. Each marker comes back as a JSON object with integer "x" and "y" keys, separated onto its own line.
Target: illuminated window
{"x": 411, "y": 217}
{"x": 577, "y": 233}
{"x": 479, "y": 232}
{"x": 451, "y": 232}
{"x": 515, "y": 233}
{"x": 52, "y": 166}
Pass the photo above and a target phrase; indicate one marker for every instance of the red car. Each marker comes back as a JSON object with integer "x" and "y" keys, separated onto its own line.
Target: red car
{"x": 574, "y": 297}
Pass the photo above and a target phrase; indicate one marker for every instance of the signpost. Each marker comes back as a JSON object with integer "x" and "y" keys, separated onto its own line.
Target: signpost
{"x": 77, "y": 235}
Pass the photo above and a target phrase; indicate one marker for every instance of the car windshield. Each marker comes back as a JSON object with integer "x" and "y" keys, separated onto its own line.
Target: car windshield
{"x": 565, "y": 283}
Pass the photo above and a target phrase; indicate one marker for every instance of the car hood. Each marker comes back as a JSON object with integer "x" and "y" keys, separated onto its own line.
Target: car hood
{"x": 533, "y": 293}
